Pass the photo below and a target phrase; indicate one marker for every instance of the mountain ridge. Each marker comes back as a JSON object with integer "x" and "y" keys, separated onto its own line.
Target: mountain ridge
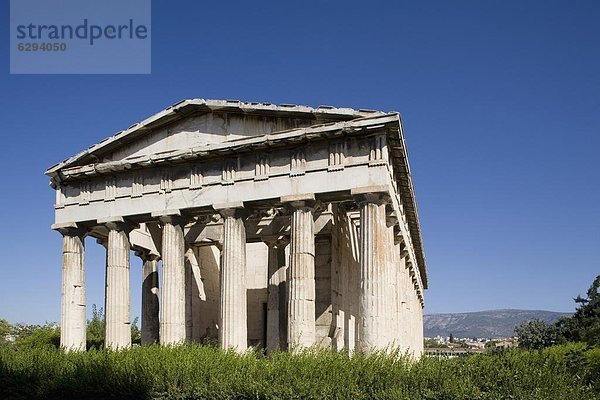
{"x": 491, "y": 324}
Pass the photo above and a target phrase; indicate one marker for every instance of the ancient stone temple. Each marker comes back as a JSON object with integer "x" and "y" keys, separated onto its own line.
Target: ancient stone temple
{"x": 256, "y": 225}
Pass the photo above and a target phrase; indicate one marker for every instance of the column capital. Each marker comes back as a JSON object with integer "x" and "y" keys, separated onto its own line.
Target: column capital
{"x": 371, "y": 194}
{"x": 231, "y": 210}
{"x": 147, "y": 255}
{"x": 172, "y": 217}
{"x": 276, "y": 241}
{"x": 300, "y": 201}
{"x": 117, "y": 224}
{"x": 70, "y": 229}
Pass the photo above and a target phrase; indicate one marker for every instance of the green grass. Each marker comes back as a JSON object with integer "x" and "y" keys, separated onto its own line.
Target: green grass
{"x": 201, "y": 372}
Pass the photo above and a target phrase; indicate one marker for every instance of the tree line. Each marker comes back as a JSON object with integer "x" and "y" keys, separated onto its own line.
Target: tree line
{"x": 583, "y": 326}
{"x": 48, "y": 334}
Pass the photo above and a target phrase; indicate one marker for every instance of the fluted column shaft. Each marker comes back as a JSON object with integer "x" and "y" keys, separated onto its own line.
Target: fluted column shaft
{"x": 373, "y": 263}
{"x": 412, "y": 308}
{"x": 276, "y": 259}
{"x": 72, "y": 317}
{"x": 395, "y": 325}
{"x": 150, "y": 304}
{"x": 233, "y": 313}
{"x": 117, "y": 298}
{"x": 301, "y": 280}
{"x": 403, "y": 305}
{"x": 419, "y": 328}
{"x": 172, "y": 307}
{"x": 388, "y": 298}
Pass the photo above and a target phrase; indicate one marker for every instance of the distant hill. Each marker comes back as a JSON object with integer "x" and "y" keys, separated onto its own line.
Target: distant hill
{"x": 483, "y": 324}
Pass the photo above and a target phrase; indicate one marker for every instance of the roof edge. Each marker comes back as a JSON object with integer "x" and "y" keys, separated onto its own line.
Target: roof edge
{"x": 174, "y": 112}
{"x": 271, "y": 138}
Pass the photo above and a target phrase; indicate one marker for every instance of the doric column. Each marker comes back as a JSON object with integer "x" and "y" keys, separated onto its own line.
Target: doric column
{"x": 404, "y": 295}
{"x": 374, "y": 248}
{"x": 276, "y": 259}
{"x": 233, "y": 329}
{"x": 72, "y": 316}
{"x": 150, "y": 305}
{"x": 117, "y": 296}
{"x": 412, "y": 308}
{"x": 396, "y": 288}
{"x": 301, "y": 274}
{"x": 389, "y": 301}
{"x": 419, "y": 329}
{"x": 172, "y": 307}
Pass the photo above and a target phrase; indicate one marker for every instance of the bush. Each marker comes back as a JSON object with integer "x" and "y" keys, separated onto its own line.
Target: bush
{"x": 5, "y": 330}
{"x": 95, "y": 330}
{"x": 536, "y": 334}
{"x": 42, "y": 336}
{"x": 202, "y": 372}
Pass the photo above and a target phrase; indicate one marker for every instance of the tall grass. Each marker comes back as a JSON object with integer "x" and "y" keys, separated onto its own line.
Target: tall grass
{"x": 202, "y": 372}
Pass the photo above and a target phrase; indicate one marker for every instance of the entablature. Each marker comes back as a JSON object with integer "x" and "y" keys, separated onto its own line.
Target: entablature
{"x": 328, "y": 160}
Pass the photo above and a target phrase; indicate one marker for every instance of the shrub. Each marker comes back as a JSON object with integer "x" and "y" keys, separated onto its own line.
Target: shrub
{"x": 202, "y": 372}
{"x": 27, "y": 336}
{"x": 536, "y": 334}
{"x": 5, "y": 330}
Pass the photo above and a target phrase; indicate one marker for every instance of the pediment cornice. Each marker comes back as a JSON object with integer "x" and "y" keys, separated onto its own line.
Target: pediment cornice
{"x": 222, "y": 149}
{"x": 189, "y": 107}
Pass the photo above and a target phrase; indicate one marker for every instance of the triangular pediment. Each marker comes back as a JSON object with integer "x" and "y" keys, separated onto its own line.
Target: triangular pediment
{"x": 204, "y": 129}
{"x": 198, "y": 122}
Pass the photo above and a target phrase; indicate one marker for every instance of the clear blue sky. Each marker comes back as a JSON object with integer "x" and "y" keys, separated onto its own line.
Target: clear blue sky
{"x": 500, "y": 101}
